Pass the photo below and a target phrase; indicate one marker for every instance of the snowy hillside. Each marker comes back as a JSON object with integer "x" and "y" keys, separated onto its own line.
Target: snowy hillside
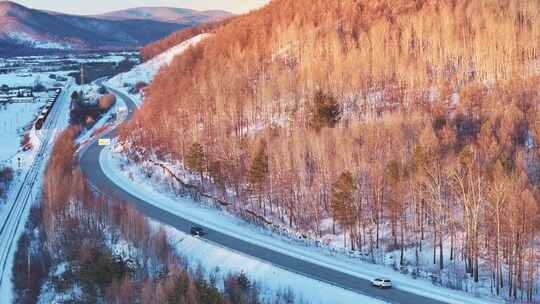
{"x": 44, "y": 43}
{"x": 147, "y": 71}
{"x": 23, "y": 28}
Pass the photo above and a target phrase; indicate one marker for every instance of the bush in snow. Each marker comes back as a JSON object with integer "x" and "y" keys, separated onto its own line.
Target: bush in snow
{"x": 25, "y": 142}
{"x": 39, "y": 88}
{"x": 136, "y": 89}
{"x": 102, "y": 90}
{"x": 106, "y": 102}
{"x": 6, "y": 177}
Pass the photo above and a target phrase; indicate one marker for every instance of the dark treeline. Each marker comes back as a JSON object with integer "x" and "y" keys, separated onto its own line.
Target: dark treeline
{"x": 96, "y": 70}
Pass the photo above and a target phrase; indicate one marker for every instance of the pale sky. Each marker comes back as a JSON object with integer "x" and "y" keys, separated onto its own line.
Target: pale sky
{"x": 90, "y": 7}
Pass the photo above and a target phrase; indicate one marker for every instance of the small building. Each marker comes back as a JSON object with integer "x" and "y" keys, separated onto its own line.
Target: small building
{"x": 18, "y": 94}
{"x": 23, "y": 99}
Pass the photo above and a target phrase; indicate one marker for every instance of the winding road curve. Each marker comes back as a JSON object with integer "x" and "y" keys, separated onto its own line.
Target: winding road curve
{"x": 89, "y": 162}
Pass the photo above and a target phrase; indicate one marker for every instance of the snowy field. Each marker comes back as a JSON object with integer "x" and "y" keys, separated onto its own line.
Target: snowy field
{"x": 14, "y": 118}
{"x": 33, "y": 163}
{"x": 28, "y": 79}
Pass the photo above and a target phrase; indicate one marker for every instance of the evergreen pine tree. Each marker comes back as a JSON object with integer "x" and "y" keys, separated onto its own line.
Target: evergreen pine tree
{"x": 208, "y": 293}
{"x": 258, "y": 173}
{"x": 181, "y": 286}
{"x": 259, "y": 168}
{"x": 243, "y": 281}
{"x": 326, "y": 111}
{"x": 75, "y": 96}
{"x": 196, "y": 159}
{"x": 342, "y": 200}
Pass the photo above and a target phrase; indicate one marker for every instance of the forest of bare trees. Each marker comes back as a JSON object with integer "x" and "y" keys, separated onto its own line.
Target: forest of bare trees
{"x": 413, "y": 125}
{"x": 76, "y": 229}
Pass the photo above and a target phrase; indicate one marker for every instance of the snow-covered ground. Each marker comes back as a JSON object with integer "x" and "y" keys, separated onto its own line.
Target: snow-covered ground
{"x": 16, "y": 121}
{"x": 24, "y": 38}
{"x": 40, "y": 60}
{"x": 27, "y": 79}
{"x": 146, "y": 72}
{"x": 158, "y": 193}
{"x": 14, "y": 118}
{"x": 272, "y": 279}
{"x": 34, "y": 164}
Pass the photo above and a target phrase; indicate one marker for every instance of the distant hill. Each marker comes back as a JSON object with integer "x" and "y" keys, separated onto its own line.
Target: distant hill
{"x": 167, "y": 14}
{"x": 24, "y": 30}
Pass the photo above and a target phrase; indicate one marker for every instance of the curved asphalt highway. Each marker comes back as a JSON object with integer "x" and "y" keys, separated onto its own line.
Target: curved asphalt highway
{"x": 89, "y": 162}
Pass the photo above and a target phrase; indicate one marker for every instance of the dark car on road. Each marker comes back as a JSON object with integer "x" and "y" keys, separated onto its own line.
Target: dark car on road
{"x": 197, "y": 231}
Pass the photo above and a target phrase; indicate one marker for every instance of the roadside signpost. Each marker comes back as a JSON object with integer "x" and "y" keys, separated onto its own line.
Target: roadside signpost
{"x": 104, "y": 141}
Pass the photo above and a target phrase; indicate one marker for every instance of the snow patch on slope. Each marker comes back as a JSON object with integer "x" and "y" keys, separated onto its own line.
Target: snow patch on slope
{"x": 24, "y": 38}
{"x": 147, "y": 71}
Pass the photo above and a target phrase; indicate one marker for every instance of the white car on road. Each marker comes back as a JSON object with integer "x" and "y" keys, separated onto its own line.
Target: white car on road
{"x": 381, "y": 283}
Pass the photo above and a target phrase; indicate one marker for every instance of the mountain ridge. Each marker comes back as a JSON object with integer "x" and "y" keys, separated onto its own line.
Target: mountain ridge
{"x": 166, "y": 14}
{"x": 28, "y": 29}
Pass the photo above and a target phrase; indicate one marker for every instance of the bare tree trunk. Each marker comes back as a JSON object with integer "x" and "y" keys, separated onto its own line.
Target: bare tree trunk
{"x": 510, "y": 277}
{"x": 476, "y": 274}
{"x": 497, "y": 248}
{"x": 434, "y": 245}
{"x": 441, "y": 255}
{"x": 452, "y": 235}
{"x": 402, "y": 233}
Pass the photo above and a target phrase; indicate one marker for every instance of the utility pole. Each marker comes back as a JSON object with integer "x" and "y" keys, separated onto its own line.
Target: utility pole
{"x": 28, "y": 265}
{"x": 82, "y": 74}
